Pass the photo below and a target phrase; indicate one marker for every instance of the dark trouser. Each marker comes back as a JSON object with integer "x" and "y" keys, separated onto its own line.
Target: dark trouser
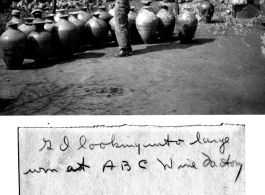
{"x": 122, "y": 28}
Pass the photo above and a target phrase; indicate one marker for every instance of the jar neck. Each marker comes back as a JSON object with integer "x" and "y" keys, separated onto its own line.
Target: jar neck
{"x": 40, "y": 26}
{"x": 28, "y": 22}
{"x": 60, "y": 12}
{"x": 83, "y": 9}
{"x": 50, "y": 19}
{"x": 164, "y": 7}
{"x": 73, "y": 15}
{"x": 16, "y": 16}
{"x": 96, "y": 15}
{"x": 13, "y": 26}
{"x": 64, "y": 18}
{"x": 37, "y": 15}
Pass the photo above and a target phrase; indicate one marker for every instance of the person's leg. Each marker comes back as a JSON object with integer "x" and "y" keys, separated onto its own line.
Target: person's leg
{"x": 122, "y": 30}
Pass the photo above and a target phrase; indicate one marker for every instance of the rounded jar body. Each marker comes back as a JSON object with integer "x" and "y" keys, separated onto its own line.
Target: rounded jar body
{"x": 97, "y": 30}
{"x": 58, "y": 14}
{"x": 66, "y": 36}
{"x": 13, "y": 46}
{"x": 84, "y": 15}
{"x": 40, "y": 44}
{"x": 186, "y": 25}
{"x": 49, "y": 23}
{"x": 80, "y": 27}
{"x": 146, "y": 24}
{"x": 15, "y": 19}
{"x": 166, "y": 23}
{"x": 27, "y": 27}
{"x": 206, "y": 11}
{"x": 132, "y": 21}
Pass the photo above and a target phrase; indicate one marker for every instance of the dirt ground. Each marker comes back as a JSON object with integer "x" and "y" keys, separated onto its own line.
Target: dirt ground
{"x": 221, "y": 72}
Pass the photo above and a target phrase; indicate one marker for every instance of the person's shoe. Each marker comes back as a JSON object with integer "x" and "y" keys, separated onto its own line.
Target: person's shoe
{"x": 122, "y": 54}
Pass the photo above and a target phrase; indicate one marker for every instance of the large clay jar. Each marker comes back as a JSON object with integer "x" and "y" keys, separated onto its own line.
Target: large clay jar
{"x": 206, "y": 11}
{"x": 15, "y": 18}
{"x": 40, "y": 43}
{"x": 97, "y": 29}
{"x": 84, "y": 15}
{"x": 103, "y": 14}
{"x": 166, "y": 24}
{"x": 65, "y": 34}
{"x": 13, "y": 46}
{"x": 186, "y": 25}
{"x": 58, "y": 14}
{"x": 50, "y": 27}
{"x": 147, "y": 23}
{"x": 132, "y": 21}
{"x": 27, "y": 27}
{"x": 37, "y": 14}
{"x": 80, "y": 26}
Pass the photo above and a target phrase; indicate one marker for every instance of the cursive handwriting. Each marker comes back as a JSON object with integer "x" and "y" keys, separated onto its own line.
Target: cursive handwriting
{"x": 49, "y": 147}
{"x": 81, "y": 167}
{"x": 166, "y": 165}
{"x": 224, "y": 162}
{"x": 40, "y": 170}
{"x": 166, "y": 142}
{"x": 66, "y": 143}
{"x": 224, "y": 141}
{"x": 82, "y": 142}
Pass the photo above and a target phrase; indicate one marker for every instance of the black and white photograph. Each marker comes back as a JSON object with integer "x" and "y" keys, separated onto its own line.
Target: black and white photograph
{"x": 132, "y": 97}
{"x": 132, "y": 57}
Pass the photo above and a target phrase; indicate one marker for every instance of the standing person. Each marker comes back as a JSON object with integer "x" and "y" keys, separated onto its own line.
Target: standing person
{"x": 122, "y": 29}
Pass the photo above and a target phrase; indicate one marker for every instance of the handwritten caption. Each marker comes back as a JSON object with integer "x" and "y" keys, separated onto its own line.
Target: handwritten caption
{"x": 124, "y": 165}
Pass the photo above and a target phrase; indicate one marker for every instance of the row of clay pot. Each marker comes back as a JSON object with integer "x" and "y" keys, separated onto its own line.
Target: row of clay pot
{"x": 40, "y": 39}
{"x": 149, "y": 23}
{"x": 146, "y": 23}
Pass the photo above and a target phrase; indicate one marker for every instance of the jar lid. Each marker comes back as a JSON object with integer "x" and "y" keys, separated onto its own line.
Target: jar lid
{"x": 95, "y": 14}
{"x": 36, "y": 11}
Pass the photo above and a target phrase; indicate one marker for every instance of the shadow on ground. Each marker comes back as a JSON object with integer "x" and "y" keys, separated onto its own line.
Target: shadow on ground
{"x": 56, "y": 61}
{"x": 4, "y": 103}
{"x": 172, "y": 45}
